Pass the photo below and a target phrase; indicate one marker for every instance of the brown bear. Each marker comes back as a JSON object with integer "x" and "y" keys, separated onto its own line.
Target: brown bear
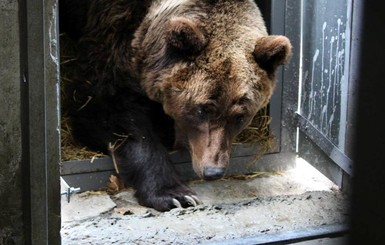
{"x": 162, "y": 73}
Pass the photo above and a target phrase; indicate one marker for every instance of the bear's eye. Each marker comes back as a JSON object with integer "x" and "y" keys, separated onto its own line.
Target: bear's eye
{"x": 239, "y": 119}
{"x": 205, "y": 111}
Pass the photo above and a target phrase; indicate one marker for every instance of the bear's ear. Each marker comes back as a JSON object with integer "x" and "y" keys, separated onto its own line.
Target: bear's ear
{"x": 271, "y": 52}
{"x": 184, "y": 35}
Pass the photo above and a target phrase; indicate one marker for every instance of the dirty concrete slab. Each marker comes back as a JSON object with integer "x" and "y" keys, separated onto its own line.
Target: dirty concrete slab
{"x": 86, "y": 205}
{"x": 209, "y": 223}
{"x": 231, "y": 209}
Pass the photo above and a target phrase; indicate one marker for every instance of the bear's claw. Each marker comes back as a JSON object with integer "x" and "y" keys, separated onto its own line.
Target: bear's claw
{"x": 193, "y": 200}
{"x": 176, "y": 203}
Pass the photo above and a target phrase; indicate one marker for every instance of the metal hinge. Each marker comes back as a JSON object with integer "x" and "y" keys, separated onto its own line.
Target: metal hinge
{"x": 67, "y": 190}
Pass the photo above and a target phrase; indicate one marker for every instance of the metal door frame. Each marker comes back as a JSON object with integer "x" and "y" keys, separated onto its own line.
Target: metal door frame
{"x": 41, "y": 113}
{"x": 40, "y": 110}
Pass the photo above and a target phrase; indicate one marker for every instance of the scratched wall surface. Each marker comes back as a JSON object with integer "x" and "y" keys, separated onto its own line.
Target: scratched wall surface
{"x": 325, "y": 50}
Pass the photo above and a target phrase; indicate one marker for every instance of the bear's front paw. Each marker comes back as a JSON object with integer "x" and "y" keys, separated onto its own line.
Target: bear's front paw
{"x": 167, "y": 199}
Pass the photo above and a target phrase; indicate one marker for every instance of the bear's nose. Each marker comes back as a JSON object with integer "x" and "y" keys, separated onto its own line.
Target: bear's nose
{"x": 213, "y": 173}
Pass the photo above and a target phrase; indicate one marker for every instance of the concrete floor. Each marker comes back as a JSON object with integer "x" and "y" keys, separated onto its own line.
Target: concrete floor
{"x": 232, "y": 209}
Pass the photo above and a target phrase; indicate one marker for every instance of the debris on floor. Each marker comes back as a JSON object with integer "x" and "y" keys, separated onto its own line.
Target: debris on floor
{"x": 231, "y": 209}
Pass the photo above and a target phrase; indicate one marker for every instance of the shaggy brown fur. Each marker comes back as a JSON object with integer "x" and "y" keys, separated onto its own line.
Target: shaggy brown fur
{"x": 204, "y": 67}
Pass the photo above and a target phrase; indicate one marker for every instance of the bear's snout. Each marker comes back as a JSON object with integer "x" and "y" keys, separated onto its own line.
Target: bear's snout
{"x": 210, "y": 152}
{"x": 213, "y": 173}
{"x": 210, "y": 165}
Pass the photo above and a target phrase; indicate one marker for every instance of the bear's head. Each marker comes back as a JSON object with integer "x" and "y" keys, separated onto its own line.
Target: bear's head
{"x": 212, "y": 71}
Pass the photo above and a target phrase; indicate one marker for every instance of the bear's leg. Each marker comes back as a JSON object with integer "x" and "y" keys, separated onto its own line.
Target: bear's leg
{"x": 143, "y": 161}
